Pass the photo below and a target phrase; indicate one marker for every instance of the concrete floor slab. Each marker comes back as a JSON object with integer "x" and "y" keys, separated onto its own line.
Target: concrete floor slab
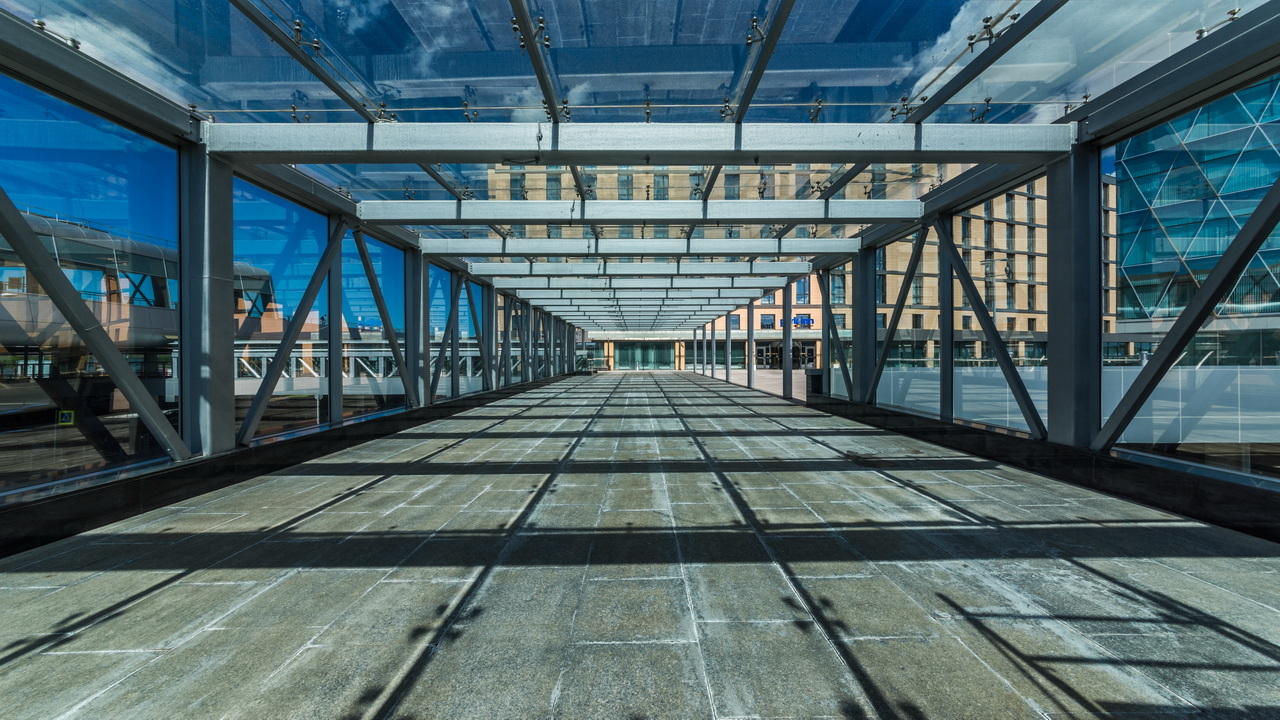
{"x": 645, "y": 545}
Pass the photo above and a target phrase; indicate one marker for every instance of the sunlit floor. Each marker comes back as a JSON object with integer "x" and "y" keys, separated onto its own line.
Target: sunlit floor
{"x": 645, "y": 545}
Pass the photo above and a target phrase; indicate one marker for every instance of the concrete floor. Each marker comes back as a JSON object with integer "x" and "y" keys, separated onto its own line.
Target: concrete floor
{"x": 639, "y": 545}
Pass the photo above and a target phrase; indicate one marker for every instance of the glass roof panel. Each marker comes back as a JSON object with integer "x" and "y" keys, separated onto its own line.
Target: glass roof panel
{"x": 193, "y": 52}
{"x": 614, "y": 55}
{"x": 861, "y": 58}
{"x": 1085, "y": 49}
{"x": 423, "y": 59}
{"x": 378, "y": 182}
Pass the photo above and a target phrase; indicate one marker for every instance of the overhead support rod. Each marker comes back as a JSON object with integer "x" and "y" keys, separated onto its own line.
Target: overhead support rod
{"x": 1002, "y": 44}
{"x": 278, "y": 35}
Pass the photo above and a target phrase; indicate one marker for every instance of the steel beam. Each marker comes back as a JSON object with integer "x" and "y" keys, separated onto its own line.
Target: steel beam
{"x": 632, "y": 212}
{"x": 613, "y": 247}
{"x": 592, "y": 270}
{"x": 637, "y": 143}
{"x": 760, "y": 283}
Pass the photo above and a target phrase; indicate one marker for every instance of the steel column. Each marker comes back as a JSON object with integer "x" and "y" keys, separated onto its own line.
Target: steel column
{"x": 333, "y": 331}
{"x": 749, "y": 350}
{"x": 713, "y": 348}
{"x": 945, "y": 349}
{"x": 207, "y": 340}
{"x": 788, "y": 385}
{"x": 458, "y": 286}
{"x": 1075, "y": 297}
{"x": 728, "y": 347}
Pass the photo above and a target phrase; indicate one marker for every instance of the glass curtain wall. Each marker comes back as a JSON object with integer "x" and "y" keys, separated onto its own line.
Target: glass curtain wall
{"x": 103, "y": 202}
{"x": 1184, "y": 190}
{"x": 471, "y": 321}
{"x": 278, "y": 245}
{"x": 644, "y": 355}
{"x": 371, "y": 380}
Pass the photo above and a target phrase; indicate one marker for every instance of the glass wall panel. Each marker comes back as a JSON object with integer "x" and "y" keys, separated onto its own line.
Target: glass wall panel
{"x": 1183, "y": 191}
{"x": 277, "y": 247}
{"x": 371, "y": 380}
{"x": 471, "y": 320}
{"x": 1003, "y": 243}
{"x": 911, "y": 377}
{"x": 103, "y": 202}
{"x": 439, "y": 304}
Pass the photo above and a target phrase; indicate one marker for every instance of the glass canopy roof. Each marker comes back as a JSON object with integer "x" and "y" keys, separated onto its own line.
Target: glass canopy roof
{"x": 627, "y": 61}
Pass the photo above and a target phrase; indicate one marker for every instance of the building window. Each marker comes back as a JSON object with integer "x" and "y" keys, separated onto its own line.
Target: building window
{"x": 626, "y": 231}
{"x": 1011, "y": 324}
{"x": 767, "y": 299}
{"x": 966, "y": 231}
{"x": 917, "y": 321}
{"x": 626, "y": 189}
{"x": 966, "y": 322}
{"x": 840, "y": 319}
{"x": 735, "y": 322}
{"x": 837, "y": 290}
{"x": 989, "y": 233}
{"x": 1031, "y": 324}
{"x": 917, "y": 290}
{"x": 553, "y": 187}
{"x": 802, "y": 321}
{"x": 881, "y": 320}
{"x": 731, "y": 187}
{"x": 1031, "y": 239}
{"x": 1008, "y": 206}
{"x": 1031, "y": 269}
{"x": 553, "y": 231}
{"x": 661, "y": 188}
{"x": 1009, "y": 296}
{"x": 767, "y": 321}
{"x": 880, "y": 259}
{"x": 1031, "y": 298}
{"x": 802, "y": 291}
{"x": 660, "y": 231}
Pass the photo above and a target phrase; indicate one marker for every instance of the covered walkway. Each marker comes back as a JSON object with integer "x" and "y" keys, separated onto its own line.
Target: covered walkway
{"x": 645, "y": 545}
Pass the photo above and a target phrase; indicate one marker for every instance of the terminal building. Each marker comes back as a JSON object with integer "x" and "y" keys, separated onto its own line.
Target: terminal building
{"x": 515, "y": 359}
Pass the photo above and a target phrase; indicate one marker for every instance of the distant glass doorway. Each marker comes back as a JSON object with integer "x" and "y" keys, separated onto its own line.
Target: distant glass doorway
{"x": 644, "y": 356}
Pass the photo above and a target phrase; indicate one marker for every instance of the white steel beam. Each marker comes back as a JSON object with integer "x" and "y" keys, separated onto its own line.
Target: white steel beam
{"x": 593, "y": 269}
{"x": 633, "y": 212}
{"x": 611, "y": 247}
{"x": 638, "y": 283}
{"x": 636, "y": 143}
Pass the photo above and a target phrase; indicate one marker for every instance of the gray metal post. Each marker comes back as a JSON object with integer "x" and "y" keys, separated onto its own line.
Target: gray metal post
{"x": 694, "y": 354}
{"x": 788, "y": 389}
{"x": 1075, "y": 297}
{"x": 862, "y": 325}
{"x": 504, "y": 365}
{"x": 526, "y": 341}
{"x": 705, "y": 368}
{"x": 416, "y": 340}
{"x": 728, "y": 347}
{"x": 945, "y": 348}
{"x": 490, "y": 325}
{"x": 207, "y": 370}
{"x": 713, "y": 348}
{"x": 458, "y": 286}
{"x": 334, "y": 335}
{"x": 749, "y": 351}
